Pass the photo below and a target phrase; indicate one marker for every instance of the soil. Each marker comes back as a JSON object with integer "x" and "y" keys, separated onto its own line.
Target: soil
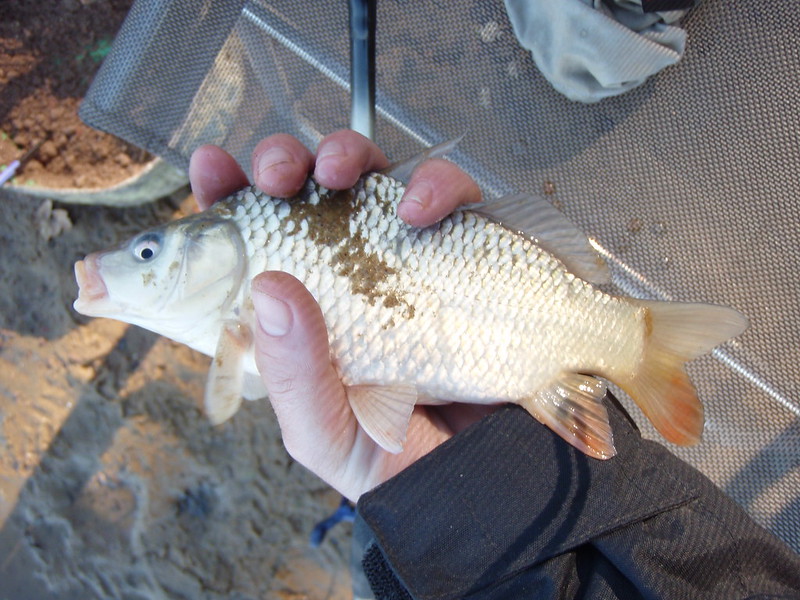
{"x": 49, "y": 52}
{"x": 112, "y": 483}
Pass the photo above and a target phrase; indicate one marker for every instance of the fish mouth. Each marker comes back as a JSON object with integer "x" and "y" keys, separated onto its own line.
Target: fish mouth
{"x": 92, "y": 289}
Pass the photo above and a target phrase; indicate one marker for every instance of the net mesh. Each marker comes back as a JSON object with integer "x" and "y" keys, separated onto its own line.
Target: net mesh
{"x": 688, "y": 184}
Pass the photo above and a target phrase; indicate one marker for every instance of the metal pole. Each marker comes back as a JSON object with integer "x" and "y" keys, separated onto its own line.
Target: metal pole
{"x": 362, "y": 66}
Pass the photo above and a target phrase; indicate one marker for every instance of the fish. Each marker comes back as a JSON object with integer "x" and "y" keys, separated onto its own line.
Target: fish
{"x": 502, "y": 302}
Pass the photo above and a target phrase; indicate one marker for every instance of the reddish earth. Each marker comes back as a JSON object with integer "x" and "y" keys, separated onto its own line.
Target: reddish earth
{"x": 49, "y": 52}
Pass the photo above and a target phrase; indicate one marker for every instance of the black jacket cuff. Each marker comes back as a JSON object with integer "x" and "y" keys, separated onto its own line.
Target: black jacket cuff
{"x": 506, "y": 506}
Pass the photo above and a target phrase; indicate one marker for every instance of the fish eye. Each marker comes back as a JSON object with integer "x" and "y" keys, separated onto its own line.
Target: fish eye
{"x": 147, "y": 247}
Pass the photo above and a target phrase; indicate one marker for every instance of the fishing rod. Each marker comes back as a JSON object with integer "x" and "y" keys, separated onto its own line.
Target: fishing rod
{"x": 362, "y": 66}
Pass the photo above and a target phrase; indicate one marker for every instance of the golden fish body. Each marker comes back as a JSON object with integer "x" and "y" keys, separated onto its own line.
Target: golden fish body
{"x": 466, "y": 310}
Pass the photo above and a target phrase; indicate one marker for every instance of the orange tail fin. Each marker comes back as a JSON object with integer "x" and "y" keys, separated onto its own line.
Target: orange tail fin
{"x": 677, "y": 333}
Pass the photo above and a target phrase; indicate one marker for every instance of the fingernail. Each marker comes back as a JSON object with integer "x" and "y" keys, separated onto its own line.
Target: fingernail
{"x": 274, "y": 315}
{"x": 272, "y": 158}
{"x": 328, "y": 151}
{"x": 420, "y": 195}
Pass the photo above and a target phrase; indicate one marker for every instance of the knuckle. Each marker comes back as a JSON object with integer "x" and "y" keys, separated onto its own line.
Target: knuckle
{"x": 280, "y": 386}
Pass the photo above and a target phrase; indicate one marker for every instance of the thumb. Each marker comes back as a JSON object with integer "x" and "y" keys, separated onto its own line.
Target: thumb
{"x": 293, "y": 357}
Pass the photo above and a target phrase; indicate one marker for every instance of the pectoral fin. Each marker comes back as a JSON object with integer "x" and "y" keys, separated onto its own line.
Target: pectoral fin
{"x": 572, "y": 407}
{"x": 226, "y": 376}
{"x": 253, "y": 387}
{"x": 383, "y": 412}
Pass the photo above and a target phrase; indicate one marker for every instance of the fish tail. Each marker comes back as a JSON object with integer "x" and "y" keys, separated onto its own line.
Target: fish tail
{"x": 674, "y": 334}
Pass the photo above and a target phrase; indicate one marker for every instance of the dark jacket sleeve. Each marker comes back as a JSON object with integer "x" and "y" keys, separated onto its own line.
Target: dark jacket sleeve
{"x": 508, "y": 510}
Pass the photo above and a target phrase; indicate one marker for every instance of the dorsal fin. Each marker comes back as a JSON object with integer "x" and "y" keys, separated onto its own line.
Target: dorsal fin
{"x": 548, "y": 228}
{"x": 529, "y": 215}
{"x": 401, "y": 171}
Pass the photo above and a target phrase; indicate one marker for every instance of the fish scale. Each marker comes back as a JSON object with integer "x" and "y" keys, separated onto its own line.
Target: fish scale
{"x": 453, "y": 287}
{"x": 466, "y": 310}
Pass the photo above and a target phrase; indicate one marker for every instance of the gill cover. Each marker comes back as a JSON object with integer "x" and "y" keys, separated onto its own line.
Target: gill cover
{"x": 214, "y": 264}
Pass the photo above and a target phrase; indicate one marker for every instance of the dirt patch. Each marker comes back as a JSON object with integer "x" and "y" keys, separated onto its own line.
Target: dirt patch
{"x": 112, "y": 482}
{"x": 49, "y": 52}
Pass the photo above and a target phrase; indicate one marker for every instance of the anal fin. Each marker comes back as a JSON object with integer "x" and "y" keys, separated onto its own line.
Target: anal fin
{"x": 223, "y": 394}
{"x": 383, "y": 412}
{"x": 572, "y": 407}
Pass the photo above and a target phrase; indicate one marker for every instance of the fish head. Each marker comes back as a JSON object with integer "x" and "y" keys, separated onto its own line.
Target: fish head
{"x": 167, "y": 278}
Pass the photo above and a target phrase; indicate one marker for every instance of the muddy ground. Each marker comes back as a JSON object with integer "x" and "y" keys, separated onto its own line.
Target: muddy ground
{"x": 112, "y": 484}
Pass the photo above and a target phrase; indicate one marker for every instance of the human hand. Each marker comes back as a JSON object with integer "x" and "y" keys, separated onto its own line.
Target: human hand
{"x": 291, "y": 341}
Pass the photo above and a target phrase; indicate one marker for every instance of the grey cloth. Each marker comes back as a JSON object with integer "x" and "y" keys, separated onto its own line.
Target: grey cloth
{"x": 589, "y": 50}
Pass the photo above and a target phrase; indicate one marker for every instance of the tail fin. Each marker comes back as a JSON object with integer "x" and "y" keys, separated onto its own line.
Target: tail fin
{"x": 675, "y": 334}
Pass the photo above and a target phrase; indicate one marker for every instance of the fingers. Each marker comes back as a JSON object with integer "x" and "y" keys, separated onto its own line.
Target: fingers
{"x": 293, "y": 357}
{"x": 436, "y": 189}
{"x": 437, "y": 186}
{"x": 343, "y": 156}
{"x": 281, "y": 165}
{"x": 214, "y": 174}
